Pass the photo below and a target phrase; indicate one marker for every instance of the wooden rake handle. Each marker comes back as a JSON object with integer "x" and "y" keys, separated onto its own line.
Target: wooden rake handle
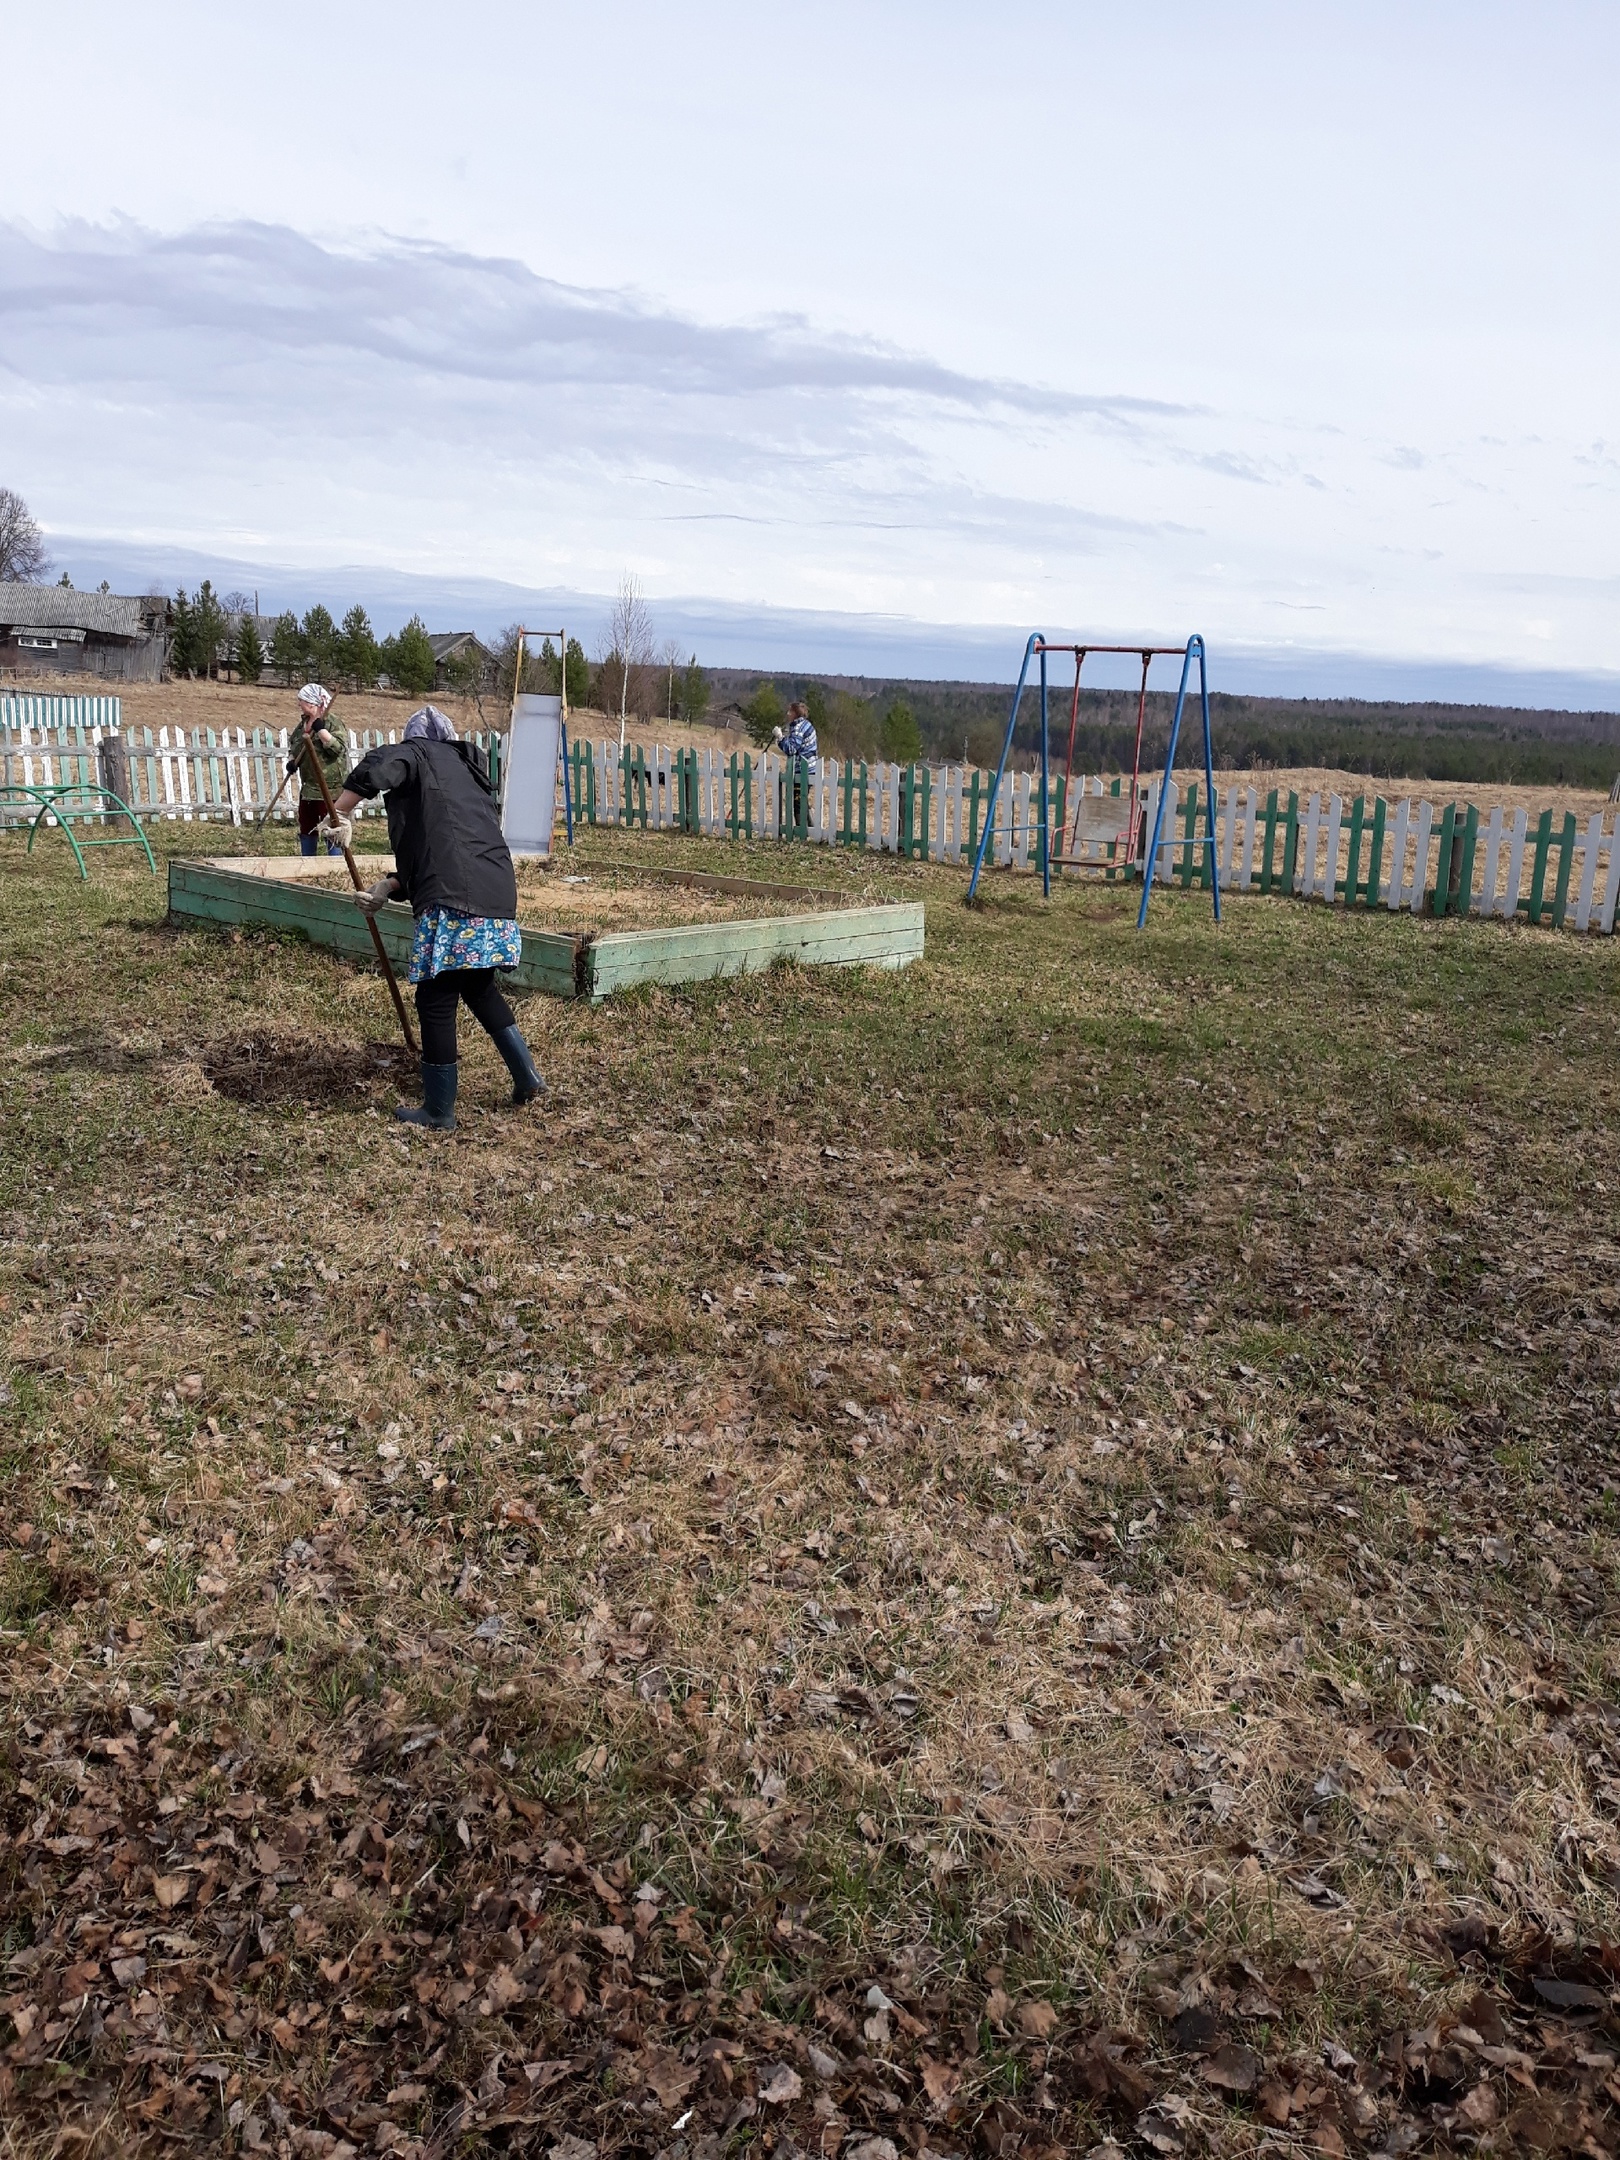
{"x": 275, "y": 798}
{"x": 383, "y": 960}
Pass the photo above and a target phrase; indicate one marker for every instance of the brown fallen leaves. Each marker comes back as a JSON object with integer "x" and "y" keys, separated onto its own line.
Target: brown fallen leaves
{"x": 1168, "y": 1538}
{"x": 529, "y": 1981}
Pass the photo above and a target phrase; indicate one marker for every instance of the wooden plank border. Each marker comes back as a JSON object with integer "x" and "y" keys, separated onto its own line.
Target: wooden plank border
{"x": 200, "y": 893}
{"x": 559, "y": 965}
{"x": 889, "y": 936}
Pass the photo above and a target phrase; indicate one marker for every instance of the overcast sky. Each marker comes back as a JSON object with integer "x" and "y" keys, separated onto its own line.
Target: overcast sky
{"x": 1293, "y": 324}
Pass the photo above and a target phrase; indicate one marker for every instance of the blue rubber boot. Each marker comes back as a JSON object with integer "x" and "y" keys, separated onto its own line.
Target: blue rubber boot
{"x": 306, "y": 843}
{"x": 438, "y": 1099}
{"x": 526, "y": 1082}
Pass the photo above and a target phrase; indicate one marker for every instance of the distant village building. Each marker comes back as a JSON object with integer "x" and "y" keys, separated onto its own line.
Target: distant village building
{"x": 53, "y": 630}
{"x": 451, "y": 645}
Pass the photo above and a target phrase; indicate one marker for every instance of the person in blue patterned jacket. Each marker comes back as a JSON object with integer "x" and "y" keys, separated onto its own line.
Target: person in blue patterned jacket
{"x": 453, "y": 865}
{"x": 798, "y": 741}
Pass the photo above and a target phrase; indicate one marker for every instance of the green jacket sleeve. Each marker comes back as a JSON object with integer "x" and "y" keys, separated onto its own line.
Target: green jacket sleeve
{"x": 334, "y": 762}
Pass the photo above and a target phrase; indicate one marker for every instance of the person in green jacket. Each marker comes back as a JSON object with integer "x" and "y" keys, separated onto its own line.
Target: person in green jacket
{"x": 317, "y": 744}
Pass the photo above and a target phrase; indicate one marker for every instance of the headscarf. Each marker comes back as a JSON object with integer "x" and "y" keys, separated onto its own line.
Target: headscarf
{"x": 317, "y": 698}
{"x": 429, "y": 725}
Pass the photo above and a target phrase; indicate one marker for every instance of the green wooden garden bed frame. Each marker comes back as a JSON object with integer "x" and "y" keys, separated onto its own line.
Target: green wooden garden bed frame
{"x": 889, "y": 936}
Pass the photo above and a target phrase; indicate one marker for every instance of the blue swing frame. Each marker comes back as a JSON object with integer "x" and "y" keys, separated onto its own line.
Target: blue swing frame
{"x": 1039, "y": 646}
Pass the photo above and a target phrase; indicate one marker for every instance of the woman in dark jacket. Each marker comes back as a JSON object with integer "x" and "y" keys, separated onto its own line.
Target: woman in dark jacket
{"x": 453, "y": 865}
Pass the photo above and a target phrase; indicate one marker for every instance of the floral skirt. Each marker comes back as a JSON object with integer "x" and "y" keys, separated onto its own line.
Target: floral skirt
{"x": 446, "y": 939}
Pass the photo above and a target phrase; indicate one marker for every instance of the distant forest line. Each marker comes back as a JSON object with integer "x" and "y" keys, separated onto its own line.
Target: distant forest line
{"x": 1419, "y": 741}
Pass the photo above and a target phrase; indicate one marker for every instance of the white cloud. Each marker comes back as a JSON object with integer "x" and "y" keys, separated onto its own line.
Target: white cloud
{"x": 248, "y": 388}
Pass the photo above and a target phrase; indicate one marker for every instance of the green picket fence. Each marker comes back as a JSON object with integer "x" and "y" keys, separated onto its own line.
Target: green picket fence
{"x": 1450, "y": 859}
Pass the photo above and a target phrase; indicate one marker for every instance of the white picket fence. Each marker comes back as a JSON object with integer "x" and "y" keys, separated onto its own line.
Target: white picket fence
{"x": 1409, "y": 854}
{"x": 1565, "y": 874}
{"x": 933, "y": 811}
{"x": 226, "y": 774}
{"x": 1559, "y": 872}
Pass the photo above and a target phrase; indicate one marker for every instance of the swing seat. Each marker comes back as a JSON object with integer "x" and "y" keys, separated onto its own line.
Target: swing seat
{"x": 1101, "y": 820}
{"x": 1098, "y": 835}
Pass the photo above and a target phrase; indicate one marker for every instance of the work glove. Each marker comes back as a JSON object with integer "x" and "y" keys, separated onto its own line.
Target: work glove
{"x": 295, "y": 761}
{"x": 375, "y": 897}
{"x": 337, "y": 831}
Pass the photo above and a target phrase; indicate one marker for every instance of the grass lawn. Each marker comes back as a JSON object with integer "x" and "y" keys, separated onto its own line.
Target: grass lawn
{"x": 980, "y": 1560}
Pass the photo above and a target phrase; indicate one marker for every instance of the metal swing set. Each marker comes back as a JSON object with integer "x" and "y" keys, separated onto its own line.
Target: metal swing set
{"x": 1107, "y": 820}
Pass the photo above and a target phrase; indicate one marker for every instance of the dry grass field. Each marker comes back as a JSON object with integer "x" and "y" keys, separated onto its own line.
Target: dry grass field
{"x": 1012, "y": 1558}
{"x": 267, "y": 705}
{"x": 1319, "y": 779}
{"x": 590, "y": 896}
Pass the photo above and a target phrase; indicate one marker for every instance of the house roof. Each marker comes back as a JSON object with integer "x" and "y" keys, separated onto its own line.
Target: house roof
{"x": 59, "y": 607}
{"x": 446, "y": 642}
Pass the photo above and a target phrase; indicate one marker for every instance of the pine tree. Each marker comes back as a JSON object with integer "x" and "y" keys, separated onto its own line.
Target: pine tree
{"x": 209, "y": 620}
{"x": 409, "y": 658}
{"x": 692, "y": 699}
{"x": 578, "y": 671}
{"x": 322, "y": 655}
{"x": 183, "y": 649}
{"x": 287, "y": 654}
{"x": 542, "y": 670}
{"x": 899, "y": 737}
{"x": 358, "y": 652}
{"x": 249, "y": 651}
{"x": 764, "y": 713}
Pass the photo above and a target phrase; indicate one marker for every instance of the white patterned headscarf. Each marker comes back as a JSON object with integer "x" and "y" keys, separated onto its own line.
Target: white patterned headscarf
{"x": 428, "y": 724}
{"x": 316, "y": 698}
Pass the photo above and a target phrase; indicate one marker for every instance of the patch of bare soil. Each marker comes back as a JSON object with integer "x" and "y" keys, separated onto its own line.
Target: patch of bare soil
{"x": 261, "y": 1067}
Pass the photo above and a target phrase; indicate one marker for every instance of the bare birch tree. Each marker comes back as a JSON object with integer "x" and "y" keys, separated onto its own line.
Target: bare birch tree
{"x": 23, "y": 560}
{"x": 669, "y": 659}
{"x": 629, "y": 643}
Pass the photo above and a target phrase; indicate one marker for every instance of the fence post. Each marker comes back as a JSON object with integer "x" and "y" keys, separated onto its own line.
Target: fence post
{"x": 1566, "y": 860}
{"x": 1440, "y": 896}
{"x": 1189, "y": 828}
{"x": 1538, "y": 868}
{"x": 112, "y": 760}
{"x": 1352, "y": 867}
{"x": 1611, "y": 891}
{"x": 1462, "y": 878}
{"x": 1375, "y": 853}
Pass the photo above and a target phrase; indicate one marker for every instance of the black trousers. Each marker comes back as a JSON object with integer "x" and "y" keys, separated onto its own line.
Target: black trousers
{"x": 436, "y": 1002}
